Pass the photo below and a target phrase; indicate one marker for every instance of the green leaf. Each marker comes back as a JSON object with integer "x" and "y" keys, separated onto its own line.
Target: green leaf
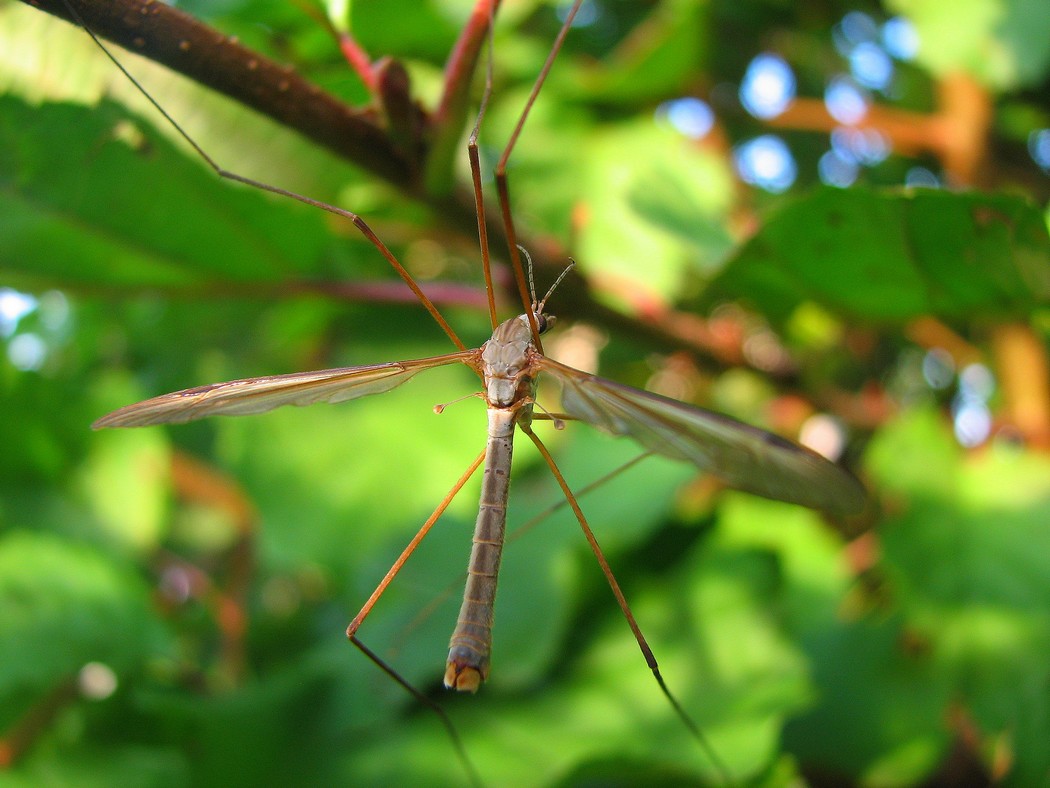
{"x": 63, "y": 605}
{"x": 98, "y": 765}
{"x": 657, "y": 64}
{"x": 892, "y": 256}
{"x": 126, "y": 477}
{"x": 967, "y": 563}
{"x": 653, "y": 223}
{"x": 1004, "y": 43}
{"x": 64, "y": 222}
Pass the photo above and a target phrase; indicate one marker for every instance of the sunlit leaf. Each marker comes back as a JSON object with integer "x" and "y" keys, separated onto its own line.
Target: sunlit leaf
{"x": 894, "y": 256}
{"x": 1004, "y": 44}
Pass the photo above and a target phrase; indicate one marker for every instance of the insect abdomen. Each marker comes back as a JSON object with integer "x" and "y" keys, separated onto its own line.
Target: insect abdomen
{"x": 471, "y": 642}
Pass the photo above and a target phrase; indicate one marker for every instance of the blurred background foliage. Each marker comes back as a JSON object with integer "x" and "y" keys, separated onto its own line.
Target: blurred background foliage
{"x": 835, "y": 217}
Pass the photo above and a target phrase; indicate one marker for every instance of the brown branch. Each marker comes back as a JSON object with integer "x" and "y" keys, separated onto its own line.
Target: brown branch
{"x": 213, "y": 59}
{"x": 17, "y": 740}
{"x": 956, "y": 133}
{"x": 1023, "y": 368}
{"x": 200, "y": 483}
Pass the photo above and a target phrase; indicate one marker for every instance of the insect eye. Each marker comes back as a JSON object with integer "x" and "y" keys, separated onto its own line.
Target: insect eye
{"x": 544, "y": 322}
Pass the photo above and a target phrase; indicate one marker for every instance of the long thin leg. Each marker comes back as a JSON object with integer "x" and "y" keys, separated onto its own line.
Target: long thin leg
{"x": 351, "y": 630}
{"x": 532, "y": 522}
{"x": 647, "y": 652}
{"x": 461, "y": 751}
{"x": 517, "y": 533}
{"x": 358, "y": 222}
{"x": 475, "y": 177}
{"x": 362, "y": 614}
{"x": 503, "y": 189}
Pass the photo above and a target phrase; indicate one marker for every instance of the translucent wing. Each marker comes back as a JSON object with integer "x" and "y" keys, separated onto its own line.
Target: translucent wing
{"x": 258, "y": 395}
{"x": 743, "y": 456}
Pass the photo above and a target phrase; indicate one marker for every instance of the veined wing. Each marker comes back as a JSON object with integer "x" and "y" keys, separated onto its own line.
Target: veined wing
{"x": 258, "y": 395}
{"x": 743, "y": 456}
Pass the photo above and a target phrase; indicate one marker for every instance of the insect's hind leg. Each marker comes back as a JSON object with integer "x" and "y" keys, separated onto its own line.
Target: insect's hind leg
{"x": 643, "y": 645}
{"x": 362, "y": 614}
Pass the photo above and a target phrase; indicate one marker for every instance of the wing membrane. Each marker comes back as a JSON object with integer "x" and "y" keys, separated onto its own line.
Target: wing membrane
{"x": 743, "y": 456}
{"x": 258, "y": 395}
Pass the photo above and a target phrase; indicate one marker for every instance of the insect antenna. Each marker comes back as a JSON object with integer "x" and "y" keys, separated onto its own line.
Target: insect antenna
{"x": 533, "y": 304}
{"x": 553, "y": 287}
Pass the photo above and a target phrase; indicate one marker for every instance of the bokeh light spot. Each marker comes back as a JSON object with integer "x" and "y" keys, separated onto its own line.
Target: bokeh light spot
{"x": 836, "y": 170}
{"x": 900, "y": 38}
{"x": 1039, "y": 148}
{"x": 766, "y": 162}
{"x": 689, "y": 116}
{"x": 768, "y": 86}
{"x": 847, "y": 102}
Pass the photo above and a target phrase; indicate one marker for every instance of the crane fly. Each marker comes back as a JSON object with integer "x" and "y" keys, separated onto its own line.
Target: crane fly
{"x": 509, "y": 366}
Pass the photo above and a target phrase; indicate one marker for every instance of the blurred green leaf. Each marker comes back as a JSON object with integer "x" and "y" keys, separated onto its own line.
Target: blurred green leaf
{"x": 868, "y": 707}
{"x": 126, "y": 478}
{"x": 651, "y": 224}
{"x": 983, "y": 607}
{"x": 62, "y": 606}
{"x": 61, "y": 223}
{"x": 966, "y": 572}
{"x": 99, "y": 766}
{"x": 892, "y": 256}
{"x": 658, "y": 59}
{"x": 1004, "y": 43}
